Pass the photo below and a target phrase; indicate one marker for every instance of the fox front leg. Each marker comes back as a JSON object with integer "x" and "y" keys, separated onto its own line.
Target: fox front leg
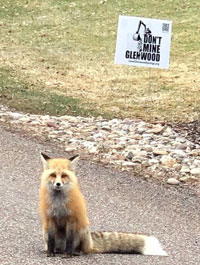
{"x": 51, "y": 243}
{"x": 73, "y": 247}
{"x": 69, "y": 249}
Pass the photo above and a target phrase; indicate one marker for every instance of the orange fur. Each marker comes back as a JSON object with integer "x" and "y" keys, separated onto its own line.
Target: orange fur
{"x": 65, "y": 221}
{"x": 63, "y": 207}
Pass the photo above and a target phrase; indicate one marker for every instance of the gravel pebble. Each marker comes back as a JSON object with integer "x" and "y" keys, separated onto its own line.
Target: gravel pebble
{"x": 125, "y": 144}
{"x": 173, "y": 181}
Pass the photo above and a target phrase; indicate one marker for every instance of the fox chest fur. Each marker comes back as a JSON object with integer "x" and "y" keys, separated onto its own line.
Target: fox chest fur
{"x": 57, "y": 202}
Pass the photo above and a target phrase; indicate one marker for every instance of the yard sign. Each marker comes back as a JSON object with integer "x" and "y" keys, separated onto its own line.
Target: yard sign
{"x": 143, "y": 42}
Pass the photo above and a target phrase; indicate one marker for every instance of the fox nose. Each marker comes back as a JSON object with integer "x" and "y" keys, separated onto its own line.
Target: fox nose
{"x": 58, "y": 184}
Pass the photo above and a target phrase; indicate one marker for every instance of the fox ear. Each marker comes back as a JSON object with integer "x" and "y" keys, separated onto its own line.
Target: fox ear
{"x": 74, "y": 161}
{"x": 44, "y": 159}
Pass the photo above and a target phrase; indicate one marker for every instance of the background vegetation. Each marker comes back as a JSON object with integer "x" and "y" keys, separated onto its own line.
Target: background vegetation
{"x": 57, "y": 57}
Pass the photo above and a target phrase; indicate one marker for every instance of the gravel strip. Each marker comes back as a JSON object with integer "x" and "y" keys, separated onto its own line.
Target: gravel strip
{"x": 154, "y": 150}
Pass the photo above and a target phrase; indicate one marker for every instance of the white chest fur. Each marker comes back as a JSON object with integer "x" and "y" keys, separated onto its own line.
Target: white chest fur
{"x": 58, "y": 204}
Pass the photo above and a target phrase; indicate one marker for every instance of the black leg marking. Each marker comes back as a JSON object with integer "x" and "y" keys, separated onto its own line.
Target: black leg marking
{"x": 61, "y": 238}
{"x": 70, "y": 243}
{"x": 51, "y": 244}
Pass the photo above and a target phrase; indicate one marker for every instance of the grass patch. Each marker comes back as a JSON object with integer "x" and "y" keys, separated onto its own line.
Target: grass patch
{"x": 18, "y": 95}
{"x": 67, "y": 48}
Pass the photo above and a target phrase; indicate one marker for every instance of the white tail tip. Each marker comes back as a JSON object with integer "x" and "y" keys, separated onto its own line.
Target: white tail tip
{"x": 153, "y": 247}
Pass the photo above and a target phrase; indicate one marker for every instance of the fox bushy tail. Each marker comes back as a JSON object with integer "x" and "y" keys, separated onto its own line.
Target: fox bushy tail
{"x": 119, "y": 242}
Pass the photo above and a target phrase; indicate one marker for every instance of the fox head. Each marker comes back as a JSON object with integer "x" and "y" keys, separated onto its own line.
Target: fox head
{"x": 59, "y": 172}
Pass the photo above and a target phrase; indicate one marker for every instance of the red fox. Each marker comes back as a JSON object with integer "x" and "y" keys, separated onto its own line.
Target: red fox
{"x": 65, "y": 221}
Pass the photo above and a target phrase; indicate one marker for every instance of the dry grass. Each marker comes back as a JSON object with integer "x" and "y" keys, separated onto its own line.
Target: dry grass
{"x": 67, "y": 48}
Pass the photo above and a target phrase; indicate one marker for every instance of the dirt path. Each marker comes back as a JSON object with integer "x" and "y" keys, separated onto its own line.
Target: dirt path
{"x": 116, "y": 201}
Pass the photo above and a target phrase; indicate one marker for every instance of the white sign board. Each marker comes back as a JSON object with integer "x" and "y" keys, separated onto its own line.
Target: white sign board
{"x": 143, "y": 42}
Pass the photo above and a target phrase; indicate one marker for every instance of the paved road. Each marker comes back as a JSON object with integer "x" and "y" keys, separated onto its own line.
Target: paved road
{"x": 115, "y": 202}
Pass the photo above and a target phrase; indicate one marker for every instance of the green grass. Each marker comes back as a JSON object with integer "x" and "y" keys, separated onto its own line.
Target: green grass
{"x": 66, "y": 49}
{"x": 19, "y": 95}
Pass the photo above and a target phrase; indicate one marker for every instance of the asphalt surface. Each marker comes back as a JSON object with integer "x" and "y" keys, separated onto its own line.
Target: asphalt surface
{"x": 116, "y": 202}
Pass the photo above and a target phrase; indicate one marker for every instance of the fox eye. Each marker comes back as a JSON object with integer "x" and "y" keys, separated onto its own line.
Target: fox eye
{"x": 64, "y": 175}
{"x": 53, "y": 175}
